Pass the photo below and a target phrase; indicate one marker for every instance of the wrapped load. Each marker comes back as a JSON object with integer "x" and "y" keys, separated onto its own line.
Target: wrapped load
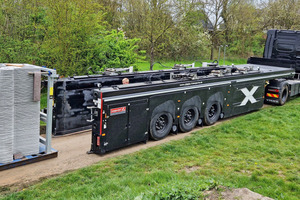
{"x": 6, "y": 114}
{"x": 26, "y": 112}
{"x": 19, "y": 113}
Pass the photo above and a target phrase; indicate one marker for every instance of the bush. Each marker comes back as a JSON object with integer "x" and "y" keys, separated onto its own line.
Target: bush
{"x": 114, "y": 50}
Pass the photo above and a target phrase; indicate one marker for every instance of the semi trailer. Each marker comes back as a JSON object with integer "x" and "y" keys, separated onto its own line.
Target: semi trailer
{"x": 73, "y": 96}
{"x": 126, "y": 114}
{"x": 155, "y": 103}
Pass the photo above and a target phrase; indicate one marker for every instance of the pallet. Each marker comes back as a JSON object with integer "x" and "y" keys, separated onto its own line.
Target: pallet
{"x": 30, "y": 158}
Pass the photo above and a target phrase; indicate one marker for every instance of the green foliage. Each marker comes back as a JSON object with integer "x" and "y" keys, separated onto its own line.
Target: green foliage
{"x": 69, "y": 36}
{"x": 258, "y": 44}
{"x": 114, "y": 50}
{"x": 177, "y": 191}
{"x": 12, "y": 50}
{"x": 189, "y": 42}
{"x": 244, "y": 36}
{"x": 69, "y": 40}
{"x": 79, "y": 35}
{"x": 181, "y": 190}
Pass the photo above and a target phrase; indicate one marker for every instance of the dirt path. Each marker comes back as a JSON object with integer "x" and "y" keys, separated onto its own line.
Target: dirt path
{"x": 72, "y": 155}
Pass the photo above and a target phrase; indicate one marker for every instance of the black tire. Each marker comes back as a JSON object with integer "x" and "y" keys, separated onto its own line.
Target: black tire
{"x": 212, "y": 112}
{"x": 161, "y": 125}
{"x": 188, "y": 118}
{"x": 284, "y": 94}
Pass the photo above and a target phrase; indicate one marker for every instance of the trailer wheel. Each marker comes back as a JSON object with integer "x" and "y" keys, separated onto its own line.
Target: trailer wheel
{"x": 160, "y": 125}
{"x": 212, "y": 112}
{"x": 284, "y": 94}
{"x": 188, "y": 118}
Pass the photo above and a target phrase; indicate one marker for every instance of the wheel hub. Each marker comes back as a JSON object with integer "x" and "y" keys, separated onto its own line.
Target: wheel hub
{"x": 161, "y": 122}
{"x": 188, "y": 117}
{"x": 212, "y": 111}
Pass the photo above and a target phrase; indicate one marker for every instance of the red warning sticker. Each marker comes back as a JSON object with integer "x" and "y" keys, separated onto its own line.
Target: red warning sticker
{"x": 118, "y": 111}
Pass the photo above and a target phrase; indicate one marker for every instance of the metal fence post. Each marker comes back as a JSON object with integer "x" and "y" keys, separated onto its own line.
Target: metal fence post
{"x": 49, "y": 113}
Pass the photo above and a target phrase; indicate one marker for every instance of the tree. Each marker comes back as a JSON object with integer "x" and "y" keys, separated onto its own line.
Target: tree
{"x": 150, "y": 20}
{"x": 243, "y": 29}
{"x": 213, "y": 10}
{"x": 189, "y": 39}
{"x": 71, "y": 27}
{"x": 281, "y": 14}
{"x": 167, "y": 28}
{"x": 111, "y": 9}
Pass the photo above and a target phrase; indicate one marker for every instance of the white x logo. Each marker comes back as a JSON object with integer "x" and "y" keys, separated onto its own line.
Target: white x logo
{"x": 249, "y": 95}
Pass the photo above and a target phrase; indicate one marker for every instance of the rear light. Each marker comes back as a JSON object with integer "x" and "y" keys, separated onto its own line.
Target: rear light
{"x": 273, "y": 90}
{"x": 98, "y": 141}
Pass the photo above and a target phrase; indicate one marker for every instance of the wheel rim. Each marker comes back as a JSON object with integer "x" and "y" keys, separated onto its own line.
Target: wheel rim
{"x": 189, "y": 116}
{"x": 161, "y": 123}
{"x": 212, "y": 111}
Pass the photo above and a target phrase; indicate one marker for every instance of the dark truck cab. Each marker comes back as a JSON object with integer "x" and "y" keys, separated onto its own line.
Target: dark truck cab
{"x": 282, "y": 49}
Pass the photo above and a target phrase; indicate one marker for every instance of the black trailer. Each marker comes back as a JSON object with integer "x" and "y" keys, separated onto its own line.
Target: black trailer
{"x": 128, "y": 114}
{"x": 74, "y": 96}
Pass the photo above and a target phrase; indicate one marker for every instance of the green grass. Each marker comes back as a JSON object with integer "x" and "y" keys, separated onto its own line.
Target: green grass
{"x": 43, "y": 104}
{"x": 145, "y": 65}
{"x": 259, "y": 151}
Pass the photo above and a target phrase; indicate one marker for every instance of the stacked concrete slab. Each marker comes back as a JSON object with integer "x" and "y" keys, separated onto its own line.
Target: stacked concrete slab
{"x": 19, "y": 114}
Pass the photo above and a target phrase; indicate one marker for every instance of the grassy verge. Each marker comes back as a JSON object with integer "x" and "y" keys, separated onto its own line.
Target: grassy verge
{"x": 145, "y": 66}
{"x": 259, "y": 151}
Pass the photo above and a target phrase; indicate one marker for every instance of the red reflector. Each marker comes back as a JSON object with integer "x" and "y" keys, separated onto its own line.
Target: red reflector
{"x": 98, "y": 141}
{"x": 272, "y": 95}
{"x": 273, "y": 90}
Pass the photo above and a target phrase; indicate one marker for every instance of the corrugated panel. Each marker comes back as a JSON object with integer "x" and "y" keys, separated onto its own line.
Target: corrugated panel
{"x": 26, "y": 113}
{"x": 19, "y": 114}
{"x": 6, "y": 86}
{"x": 6, "y": 134}
{"x": 26, "y": 128}
{"x": 6, "y": 114}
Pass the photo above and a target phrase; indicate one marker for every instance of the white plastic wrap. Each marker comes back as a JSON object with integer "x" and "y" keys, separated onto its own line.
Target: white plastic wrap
{"x": 6, "y": 134}
{"x": 6, "y": 114}
{"x": 26, "y": 128}
{"x": 19, "y": 114}
{"x": 26, "y": 113}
